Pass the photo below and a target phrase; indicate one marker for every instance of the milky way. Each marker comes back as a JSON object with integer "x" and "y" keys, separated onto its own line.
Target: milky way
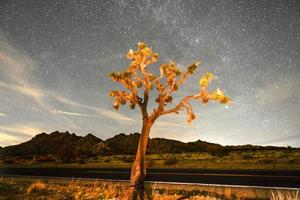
{"x": 55, "y": 57}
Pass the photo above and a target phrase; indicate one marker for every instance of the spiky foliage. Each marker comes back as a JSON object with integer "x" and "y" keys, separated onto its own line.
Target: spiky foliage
{"x": 137, "y": 79}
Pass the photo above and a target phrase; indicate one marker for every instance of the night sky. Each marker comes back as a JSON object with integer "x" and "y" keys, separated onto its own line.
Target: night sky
{"x": 55, "y": 57}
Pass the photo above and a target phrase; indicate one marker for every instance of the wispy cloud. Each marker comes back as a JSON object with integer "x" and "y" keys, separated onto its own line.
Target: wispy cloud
{"x": 24, "y": 129}
{"x": 29, "y": 91}
{"x": 280, "y": 140}
{"x": 105, "y": 112}
{"x": 276, "y": 93}
{"x": 7, "y": 139}
{"x": 115, "y": 115}
{"x": 2, "y": 114}
{"x": 40, "y": 96}
{"x": 70, "y": 102}
{"x": 17, "y": 67}
{"x": 75, "y": 114}
{"x": 170, "y": 124}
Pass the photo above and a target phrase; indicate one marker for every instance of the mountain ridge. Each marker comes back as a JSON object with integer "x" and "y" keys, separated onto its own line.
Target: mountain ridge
{"x": 69, "y": 145}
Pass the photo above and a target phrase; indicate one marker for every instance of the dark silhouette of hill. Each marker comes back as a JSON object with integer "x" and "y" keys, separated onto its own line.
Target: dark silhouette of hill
{"x": 68, "y": 146}
{"x": 53, "y": 143}
{"x": 123, "y": 144}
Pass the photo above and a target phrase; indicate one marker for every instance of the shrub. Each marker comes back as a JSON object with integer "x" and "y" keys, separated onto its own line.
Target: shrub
{"x": 127, "y": 159}
{"x": 35, "y": 187}
{"x": 150, "y": 162}
{"x": 8, "y": 161}
{"x": 268, "y": 161}
{"x": 247, "y": 156}
{"x": 45, "y": 159}
{"x": 220, "y": 152}
{"x": 293, "y": 160}
{"x": 171, "y": 161}
{"x": 66, "y": 153}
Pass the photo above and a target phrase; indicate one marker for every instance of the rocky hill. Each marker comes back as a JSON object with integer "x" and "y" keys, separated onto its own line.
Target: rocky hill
{"x": 65, "y": 145}
{"x": 53, "y": 143}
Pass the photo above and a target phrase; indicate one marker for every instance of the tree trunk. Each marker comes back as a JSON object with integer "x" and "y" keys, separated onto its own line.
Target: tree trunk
{"x": 138, "y": 172}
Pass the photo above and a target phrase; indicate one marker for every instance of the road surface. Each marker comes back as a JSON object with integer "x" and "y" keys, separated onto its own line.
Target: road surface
{"x": 270, "y": 178}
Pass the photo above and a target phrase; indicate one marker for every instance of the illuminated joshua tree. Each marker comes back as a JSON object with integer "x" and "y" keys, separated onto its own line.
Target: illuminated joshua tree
{"x": 138, "y": 82}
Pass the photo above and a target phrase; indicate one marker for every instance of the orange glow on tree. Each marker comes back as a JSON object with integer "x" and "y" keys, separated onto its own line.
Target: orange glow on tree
{"x": 138, "y": 81}
{"x": 137, "y": 76}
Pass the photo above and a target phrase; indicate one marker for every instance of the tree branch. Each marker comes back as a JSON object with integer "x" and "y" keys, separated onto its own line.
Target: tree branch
{"x": 179, "y": 106}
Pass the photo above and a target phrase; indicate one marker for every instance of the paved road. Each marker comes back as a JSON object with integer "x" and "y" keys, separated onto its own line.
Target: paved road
{"x": 272, "y": 178}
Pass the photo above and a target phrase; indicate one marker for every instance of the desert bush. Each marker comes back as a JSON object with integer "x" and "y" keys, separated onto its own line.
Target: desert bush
{"x": 150, "y": 162}
{"x": 45, "y": 158}
{"x": 35, "y": 187}
{"x": 66, "y": 153}
{"x": 247, "y": 156}
{"x": 218, "y": 151}
{"x": 8, "y": 161}
{"x": 293, "y": 160}
{"x": 127, "y": 159}
{"x": 267, "y": 161}
{"x": 171, "y": 161}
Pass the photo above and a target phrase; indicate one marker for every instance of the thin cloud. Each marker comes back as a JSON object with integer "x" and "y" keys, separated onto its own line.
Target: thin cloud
{"x": 169, "y": 124}
{"x": 107, "y": 113}
{"x": 278, "y": 91}
{"x": 23, "y": 129}
{"x": 70, "y": 102}
{"x": 14, "y": 64}
{"x": 2, "y": 114}
{"x": 115, "y": 115}
{"x": 18, "y": 67}
{"x": 31, "y": 92}
{"x": 39, "y": 96}
{"x": 7, "y": 139}
{"x": 75, "y": 114}
{"x": 279, "y": 140}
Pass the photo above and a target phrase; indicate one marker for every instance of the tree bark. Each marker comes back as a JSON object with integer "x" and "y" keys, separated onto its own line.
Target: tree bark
{"x": 136, "y": 189}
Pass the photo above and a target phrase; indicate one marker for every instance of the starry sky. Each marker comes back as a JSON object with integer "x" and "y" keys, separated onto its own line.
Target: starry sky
{"x": 55, "y": 57}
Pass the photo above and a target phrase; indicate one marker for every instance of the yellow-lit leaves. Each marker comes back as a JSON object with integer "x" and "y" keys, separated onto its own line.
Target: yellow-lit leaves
{"x": 151, "y": 77}
{"x": 168, "y": 99}
{"x": 190, "y": 114}
{"x": 126, "y": 80}
{"x": 170, "y": 80}
{"x": 191, "y": 69}
{"x": 130, "y": 54}
{"x": 120, "y": 76}
{"x": 116, "y": 104}
{"x": 170, "y": 70}
{"x": 204, "y": 96}
{"x": 206, "y": 79}
{"x": 122, "y": 97}
{"x": 137, "y": 84}
{"x": 141, "y": 45}
{"x": 175, "y": 87}
{"x": 218, "y": 95}
{"x": 142, "y": 57}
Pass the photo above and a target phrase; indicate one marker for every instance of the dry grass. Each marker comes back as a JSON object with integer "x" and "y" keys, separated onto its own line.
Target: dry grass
{"x": 81, "y": 190}
{"x": 284, "y": 195}
{"x": 56, "y": 189}
{"x": 77, "y": 191}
